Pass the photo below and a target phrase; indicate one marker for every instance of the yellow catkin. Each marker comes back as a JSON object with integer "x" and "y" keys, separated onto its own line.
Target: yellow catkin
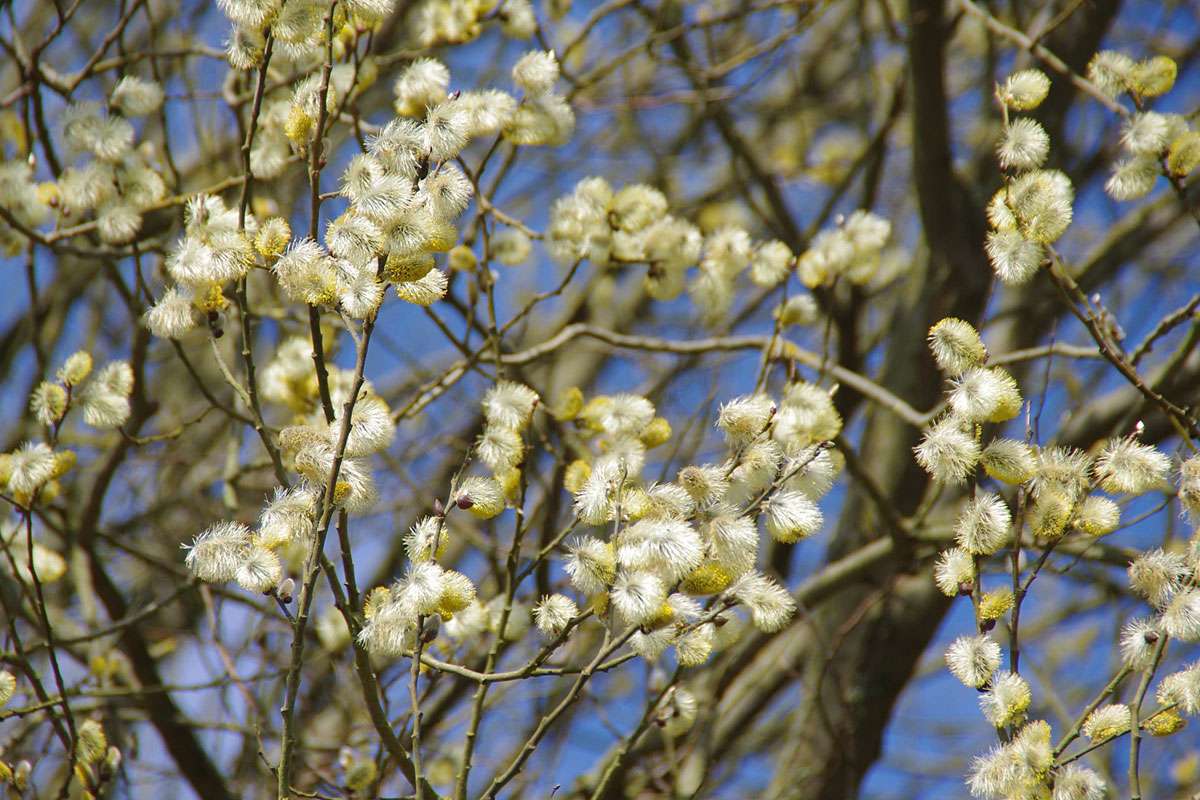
{"x": 636, "y": 503}
{"x": 576, "y": 476}
{"x": 658, "y": 432}
{"x": 360, "y": 774}
{"x": 592, "y": 413}
{"x": 324, "y": 293}
{"x": 1051, "y": 513}
{"x": 368, "y": 73}
{"x": 600, "y": 604}
{"x": 54, "y": 399}
{"x": 299, "y": 125}
{"x": 708, "y": 578}
{"x": 410, "y": 268}
{"x": 662, "y": 617}
{"x": 568, "y": 405}
{"x": 90, "y": 742}
{"x": 211, "y": 298}
{"x": 1183, "y": 155}
{"x": 1010, "y": 399}
{"x": 1154, "y": 76}
{"x": 64, "y": 462}
{"x": 510, "y": 483}
{"x": 374, "y": 600}
{"x": 994, "y": 605}
{"x": 103, "y": 667}
{"x": 12, "y": 129}
{"x": 462, "y": 258}
{"x": 441, "y": 237}
{"x": 77, "y": 367}
{"x": 450, "y": 604}
{"x": 272, "y": 239}
{"x": 1165, "y": 723}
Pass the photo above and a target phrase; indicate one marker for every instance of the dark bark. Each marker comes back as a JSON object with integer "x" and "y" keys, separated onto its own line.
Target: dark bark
{"x": 896, "y": 606}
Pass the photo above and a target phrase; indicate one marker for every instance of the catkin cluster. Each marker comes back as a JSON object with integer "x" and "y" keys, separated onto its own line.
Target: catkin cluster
{"x": 1066, "y": 493}
{"x": 632, "y": 226}
{"x": 1155, "y": 143}
{"x": 1035, "y": 206}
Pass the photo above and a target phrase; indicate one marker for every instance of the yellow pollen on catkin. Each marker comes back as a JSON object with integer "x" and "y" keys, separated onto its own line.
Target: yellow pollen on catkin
{"x": 708, "y": 578}
{"x": 576, "y": 475}
{"x": 662, "y": 617}
{"x": 1051, "y": 513}
{"x": 324, "y": 293}
{"x": 273, "y": 239}
{"x": 568, "y": 405}
{"x": 593, "y": 412}
{"x": 1164, "y": 723}
{"x": 994, "y": 605}
{"x": 442, "y": 237}
{"x": 599, "y": 604}
{"x": 374, "y": 600}
{"x": 50, "y": 491}
{"x": 405, "y": 270}
{"x": 658, "y": 432}
{"x": 299, "y": 125}
{"x": 64, "y": 461}
{"x": 210, "y": 299}
{"x": 462, "y": 258}
{"x": 1183, "y": 155}
{"x": 510, "y": 483}
{"x": 636, "y": 503}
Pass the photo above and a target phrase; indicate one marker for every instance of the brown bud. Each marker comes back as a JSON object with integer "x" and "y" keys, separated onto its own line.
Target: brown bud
{"x": 429, "y": 628}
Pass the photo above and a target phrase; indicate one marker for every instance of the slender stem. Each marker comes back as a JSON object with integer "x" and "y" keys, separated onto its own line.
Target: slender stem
{"x": 203, "y": 388}
{"x": 26, "y": 666}
{"x": 51, "y": 647}
{"x": 369, "y": 684}
{"x": 414, "y": 672}
{"x": 632, "y": 739}
{"x": 313, "y": 564}
{"x": 1014, "y": 629}
{"x": 260, "y": 425}
{"x": 318, "y": 356}
{"x": 1103, "y": 742}
{"x": 252, "y": 129}
{"x": 607, "y": 648}
{"x": 1082, "y": 309}
{"x": 1108, "y": 689}
{"x": 511, "y": 582}
{"x": 316, "y": 163}
{"x": 1135, "y": 733}
{"x": 240, "y": 292}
